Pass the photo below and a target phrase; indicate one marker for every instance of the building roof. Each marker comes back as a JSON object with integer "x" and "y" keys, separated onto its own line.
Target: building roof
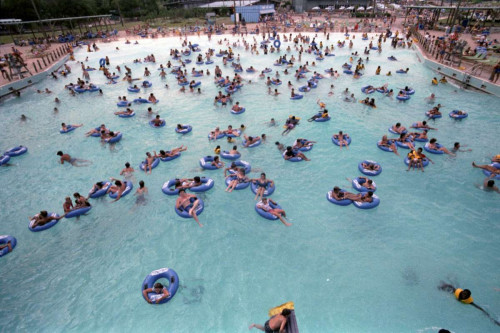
{"x": 220, "y": 4}
{"x": 454, "y": 7}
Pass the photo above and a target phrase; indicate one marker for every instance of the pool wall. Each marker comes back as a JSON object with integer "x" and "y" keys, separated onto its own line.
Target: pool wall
{"x": 28, "y": 81}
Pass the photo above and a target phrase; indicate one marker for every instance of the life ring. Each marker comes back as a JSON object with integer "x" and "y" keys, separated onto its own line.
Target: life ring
{"x": 345, "y": 136}
{"x": 268, "y": 191}
{"x": 134, "y": 90}
{"x": 425, "y": 161}
{"x": 348, "y": 71}
{"x": 384, "y": 148}
{"x": 394, "y": 132}
{"x": 206, "y": 163}
{"x": 154, "y": 276}
{"x": 433, "y": 116}
{"x": 46, "y": 226}
{"x": 357, "y": 183}
{"x": 488, "y": 173}
{"x": 364, "y": 90}
{"x": 184, "y": 212}
{"x": 123, "y": 103}
{"x": 433, "y": 151}
{"x": 320, "y": 58}
{"x": 400, "y": 71}
{"x": 253, "y": 145}
{"x": 77, "y": 212}
{"x": 4, "y": 239}
{"x": 277, "y": 43}
{"x": 250, "y": 70}
{"x": 101, "y": 192}
{"x": 292, "y": 159}
{"x": 102, "y": 62}
{"x": 209, "y": 62}
{"x": 313, "y": 84}
{"x": 265, "y": 214}
{"x": 155, "y": 163}
{"x": 233, "y": 135}
{"x": 16, "y": 151}
{"x": 240, "y": 186}
{"x": 238, "y": 70}
{"x": 127, "y": 115}
{"x": 196, "y": 84}
{"x": 69, "y": 128}
{"x": 225, "y": 154}
{"x": 343, "y": 202}
{"x": 374, "y": 48}
{"x": 409, "y": 92}
{"x": 4, "y": 159}
{"x": 219, "y": 136}
{"x": 144, "y": 101}
{"x": 454, "y": 114}
{"x": 169, "y": 158}
{"x": 229, "y": 90}
{"x": 304, "y": 89}
{"x": 392, "y": 58}
{"x": 185, "y": 83}
{"x": 403, "y": 98}
{"x": 346, "y": 66}
{"x": 207, "y": 184}
{"x": 267, "y": 70}
{"x": 128, "y": 189}
{"x": 242, "y": 164}
{"x": 297, "y": 96}
{"x": 402, "y": 145}
{"x": 146, "y": 84}
{"x": 238, "y": 112}
{"x": 79, "y": 90}
{"x": 276, "y": 83}
{"x": 320, "y": 119}
{"x": 185, "y": 129}
{"x": 369, "y": 172}
{"x": 96, "y": 134}
{"x": 368, "y": 205}
{"x": 199, "y": 63}
{"x": 114, "y": 139}
{"x": 163, "y": 123}
{"x": 168, "y": 189}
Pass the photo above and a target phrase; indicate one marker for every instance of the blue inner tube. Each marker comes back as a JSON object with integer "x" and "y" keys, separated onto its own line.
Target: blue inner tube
{"x": 320, "y": 119}
{"x": 276, "y": 43}
{"x": 207, "y": 184}
{"x": 128, "y": 189}
{"x": 364, "y": 89}
{"x": 79, "y": 90}
{"x": 346, "y": 137}
{"x": 77, "y": 212}
{"x": 46, "y": 225}
{"x": 155, "y": 163}
{"x": 199, "y": 62}
{"x": 127, "y": 115}
{"x": 453, "y": 114}
{"x": 394, "y": 132}
{"x": 163, "y": 123}
{"x": 357, "y": 183}
{"x": 276, "y": 83}
{"x": 184, "y": 212}
{"x": 265, "y": 214}
{"x": 369, "y": 172}
{"x": 132, "y": 89}
{"x": 232, "y": 135}
{"x": 433, "y": 151}
{"x": 169, "y": 158}
{"x": 240, "y": 186}
{"x": 400, "y": 71}
{"x": 16, "y": 151}
{"x": 368, "y": 205}
{"x": 154, "y": 276}
{"x": 4, "y": 239}
{"x": 102, "y": 62}
{"x": 253, "y": 145}
{"x": 488, "y": 173}
{"x": 114, "y": 139}
{"x": 185, "y": 129}
{"x": 433, "y": 116}
{"x": 304, "y": 89}
{"x": 143, "y": 100}
{"x": 123, "y": 103}
{"x": 409, "y": 92}
{"x": 146, "y": 84}
{"x": 344, "y": 202}
{"x": 206, "y": 163}
{"x": 196, "y": 84}
{"x": 250, "y": 70}
{"x": 4, "y": 159}
{"x": 297, "y": 96}
{"x": 384, "y": 148}
{"x": 346, "y": 66}
{"x": 269, "y": 189}
{"x": 403, "y": 98}
{"x": 348, "y": 71}
{"x": 242, "y": 164}
{"x": 209, "y": 62}
{"x": 220, "y": 136}
{"x": 293, "y": 159}
{"x": 69, "y": 128}
{"x": 267, "y": 70}
{"x": 238, "y": 112}
{"x": 425, "y": 162}
{"x": 401, "y": 145}
{"x": 183, "y": 83}
{"x": 225, "y": 154}
{"x": 101, "y": 192}
{"x": 168, "y": 188}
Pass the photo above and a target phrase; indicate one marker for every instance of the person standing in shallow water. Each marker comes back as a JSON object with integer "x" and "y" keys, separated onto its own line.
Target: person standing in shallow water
{"x": 274, "y": 324}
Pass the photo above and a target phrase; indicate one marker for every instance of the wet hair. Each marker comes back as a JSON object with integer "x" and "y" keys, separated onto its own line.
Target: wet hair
{"x": 118, "y": 183}
{"x": 464, "y": 294}
{"x": 141, "y": 184}
{"x": 443, "y": 330}
{"x": 60, "y": 153}
{"x": 490, "y": 183}
{"x": 43, "y": 213}
{"x": 456, "y": 144}
{"x": 182, "y": 190}
{"x": 263, "y": 174}
{"x": 197, "y": 179}
{"x": 157, "y": 116}
{"x": 127, "y": 165}
{"x": 433, "y": 140}
{"x": 76, "y": 195}
{"x": 286, "y": 312}
{"x": 370, "y": 193}
{"x": 158, "y": 285}
{"x": 277, "y": 143}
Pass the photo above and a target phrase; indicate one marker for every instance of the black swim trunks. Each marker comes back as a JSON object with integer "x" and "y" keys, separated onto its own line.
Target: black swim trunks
{"x": 267, "y": 328}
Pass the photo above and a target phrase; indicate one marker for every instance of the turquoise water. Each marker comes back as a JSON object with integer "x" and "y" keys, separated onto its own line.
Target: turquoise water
{"x": 346, "y": 269}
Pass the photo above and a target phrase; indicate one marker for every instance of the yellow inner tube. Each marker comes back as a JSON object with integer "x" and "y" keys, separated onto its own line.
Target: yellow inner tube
{"x": 278, "y": 309}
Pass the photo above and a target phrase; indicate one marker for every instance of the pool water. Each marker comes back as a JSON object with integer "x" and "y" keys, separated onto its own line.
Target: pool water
{"x": 346, "y": 269}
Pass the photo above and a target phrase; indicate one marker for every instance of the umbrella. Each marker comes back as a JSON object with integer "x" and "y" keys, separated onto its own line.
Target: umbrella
{"x": 361, "y": 8}
{"x": 368, "y": 8}
{"x": 316, "y": 8}
{"x": 330, "y": 8}
{"x": 342, "y": 8}
{"x": 350, "y": 8}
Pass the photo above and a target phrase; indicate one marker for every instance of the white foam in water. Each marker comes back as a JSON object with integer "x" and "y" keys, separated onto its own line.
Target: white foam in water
{"x": 436, "y": 223}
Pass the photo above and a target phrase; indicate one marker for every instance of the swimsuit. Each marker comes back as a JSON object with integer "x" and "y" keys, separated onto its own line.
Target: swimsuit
{"x": 267, "y": 328}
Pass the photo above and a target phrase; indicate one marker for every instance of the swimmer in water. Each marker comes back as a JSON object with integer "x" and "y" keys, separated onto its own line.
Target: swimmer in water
{"x": 127, "y": 171}
{"x": 488, "y": 186}
{"x": 464, "y": 296}
{"x": 158, "y": 289}
{"x": 76, "y": 162}
{"x": 494, "y": 171}
{"x": 457, "y": 146}
{"x": 141, "y": 193}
